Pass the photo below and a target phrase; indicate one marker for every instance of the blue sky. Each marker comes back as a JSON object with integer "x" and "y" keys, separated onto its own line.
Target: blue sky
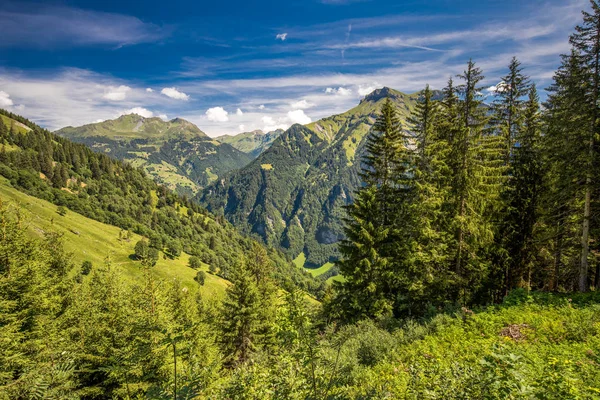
{"x": 233, "y": 66}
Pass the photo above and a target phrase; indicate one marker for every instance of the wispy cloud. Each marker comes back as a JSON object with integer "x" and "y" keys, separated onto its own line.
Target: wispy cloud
{"x": 39, "y": 25}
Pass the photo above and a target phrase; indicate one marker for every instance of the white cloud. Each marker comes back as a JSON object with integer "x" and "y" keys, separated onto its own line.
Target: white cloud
{"x": 149, "y": 90}
{"x": 99, "y": 120}
{"x": 270, "y": 124}
{"x": 364, "y": 90}
{"x": 298, "y": 117}
{"x": 142, "y": 112}
{"x": 217, "y": 114}
{"x": 175, "y": 94}
{"x": 5, "y": 100}
{"x": 239, "y": 112}
{"x": 163, "y": 117}
{"x": 342, "y": 91}
{"x": 281, "y": 36}
{"x": 302, "y": 104}
{"x": 497, "y": 88}
{"x": 261, "y": 107}
{"x": 116, "y": 93}
{"x": 242, "y": 127}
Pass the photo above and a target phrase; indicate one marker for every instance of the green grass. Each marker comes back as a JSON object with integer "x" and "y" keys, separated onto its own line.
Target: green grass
{"x": 300, "y": 260}
{"x": 337, "y": 278}
{"x": 91, "y": 240}
{"x": 321, "y": 270}
{"x": 18, "y": 126}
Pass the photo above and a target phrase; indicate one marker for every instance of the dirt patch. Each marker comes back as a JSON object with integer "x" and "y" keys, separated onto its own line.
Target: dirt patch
{"x": 515, "y": 332}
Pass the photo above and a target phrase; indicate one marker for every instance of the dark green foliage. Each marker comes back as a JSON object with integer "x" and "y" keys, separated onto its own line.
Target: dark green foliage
{"x": 194, "y": 262}
{"x": 372, "y": 245}
{"x": 61, "y": 210}
{"x": 141, "y": 249}
{"x": 173, "y": 248}
{"x": 86, "y": 267}
{"x": 200, "y": 277}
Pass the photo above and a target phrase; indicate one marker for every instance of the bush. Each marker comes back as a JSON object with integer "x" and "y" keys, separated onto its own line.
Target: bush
{"x": 86, "y": 267}
{"x": 194, "y": 262}
{"x": 61, "y": 210}
{"x": 200, "y": 277}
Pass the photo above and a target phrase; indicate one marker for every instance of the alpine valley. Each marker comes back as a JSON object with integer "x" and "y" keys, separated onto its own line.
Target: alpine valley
{"x": 292, "y": 195}
{"x": 288, "y": 188}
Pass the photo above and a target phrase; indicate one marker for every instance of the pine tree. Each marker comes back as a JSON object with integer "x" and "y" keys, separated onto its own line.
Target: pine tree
{"x": 240, "y": 317}
{"x": 475, "y": 159}
{"x": 366, "y": 291}
{"x": 523, "y": 195}
{"x": 385, "y": 159}
{"x": 374, "y": 221}
{"x": 586, "y": 42}
{"x": 508, "y": 106}
{"x": 567, "y": 160}
{"x": 507, "y": 122}
{"x": 424, "y": 280}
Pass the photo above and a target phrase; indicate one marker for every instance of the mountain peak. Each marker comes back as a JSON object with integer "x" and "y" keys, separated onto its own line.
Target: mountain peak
{"x": 379, "y": 94}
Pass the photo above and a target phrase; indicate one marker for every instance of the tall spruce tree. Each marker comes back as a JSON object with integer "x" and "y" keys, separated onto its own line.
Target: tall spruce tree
{"x": 425, "y": 280}
{"x": 373, "y": 220}
{"x": 476, "y": 172}
{"x": 240, "y": 320}
{"x": 567, "y": 160}
{"x": 586, "y": 42}
{"x": 522, "y": 195}
{"x": 507, "y": 123}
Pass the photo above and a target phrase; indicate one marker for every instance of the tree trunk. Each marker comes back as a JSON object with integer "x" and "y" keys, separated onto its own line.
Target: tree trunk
{"x": 557, "y": 256}
{"x": 585, "y": 237}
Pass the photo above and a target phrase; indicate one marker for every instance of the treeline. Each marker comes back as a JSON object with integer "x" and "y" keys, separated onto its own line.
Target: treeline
{"x": 481, "y": 199}
{"x": 71, "y": 175}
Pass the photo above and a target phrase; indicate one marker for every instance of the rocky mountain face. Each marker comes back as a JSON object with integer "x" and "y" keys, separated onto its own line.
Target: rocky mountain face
{"x": 176, "y": 153}
{"x": 292, "y": 195}
{"x": 252, "y": 143}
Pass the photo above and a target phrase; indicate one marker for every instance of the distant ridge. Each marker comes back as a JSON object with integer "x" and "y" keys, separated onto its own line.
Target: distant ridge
{"x": 176, "y": 153}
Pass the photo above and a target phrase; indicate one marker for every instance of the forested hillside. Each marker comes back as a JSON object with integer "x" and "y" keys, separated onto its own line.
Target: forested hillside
{"x": 292, "y": 195}
{"x": 98, "y": 187}
{"x": 176, "y": 153}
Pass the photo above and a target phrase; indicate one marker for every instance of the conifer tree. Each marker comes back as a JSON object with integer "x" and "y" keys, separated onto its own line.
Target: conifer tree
{"x": 523, "y": 195}
{"x": 240, "y": 317}
{"x": 508, "y": 106}
{"x": 374, "y": 220}
{"x": 425, "y": 277}
{"x": 475, "y": 158}
{"x": 567, "y": 159}
{"x": 586, "y": 43}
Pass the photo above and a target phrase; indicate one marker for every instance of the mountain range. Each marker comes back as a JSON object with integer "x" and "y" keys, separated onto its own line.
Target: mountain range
{"x": 176, "y": 153}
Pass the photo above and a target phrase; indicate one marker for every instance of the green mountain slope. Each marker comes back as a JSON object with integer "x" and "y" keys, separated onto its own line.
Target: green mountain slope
{"x": 64, "y": 173}
{"x": 253, "y": 143}
{"x": 93, "y": 241}
{"x": 176, "y": 153}
{"x": 293, "y": 194}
